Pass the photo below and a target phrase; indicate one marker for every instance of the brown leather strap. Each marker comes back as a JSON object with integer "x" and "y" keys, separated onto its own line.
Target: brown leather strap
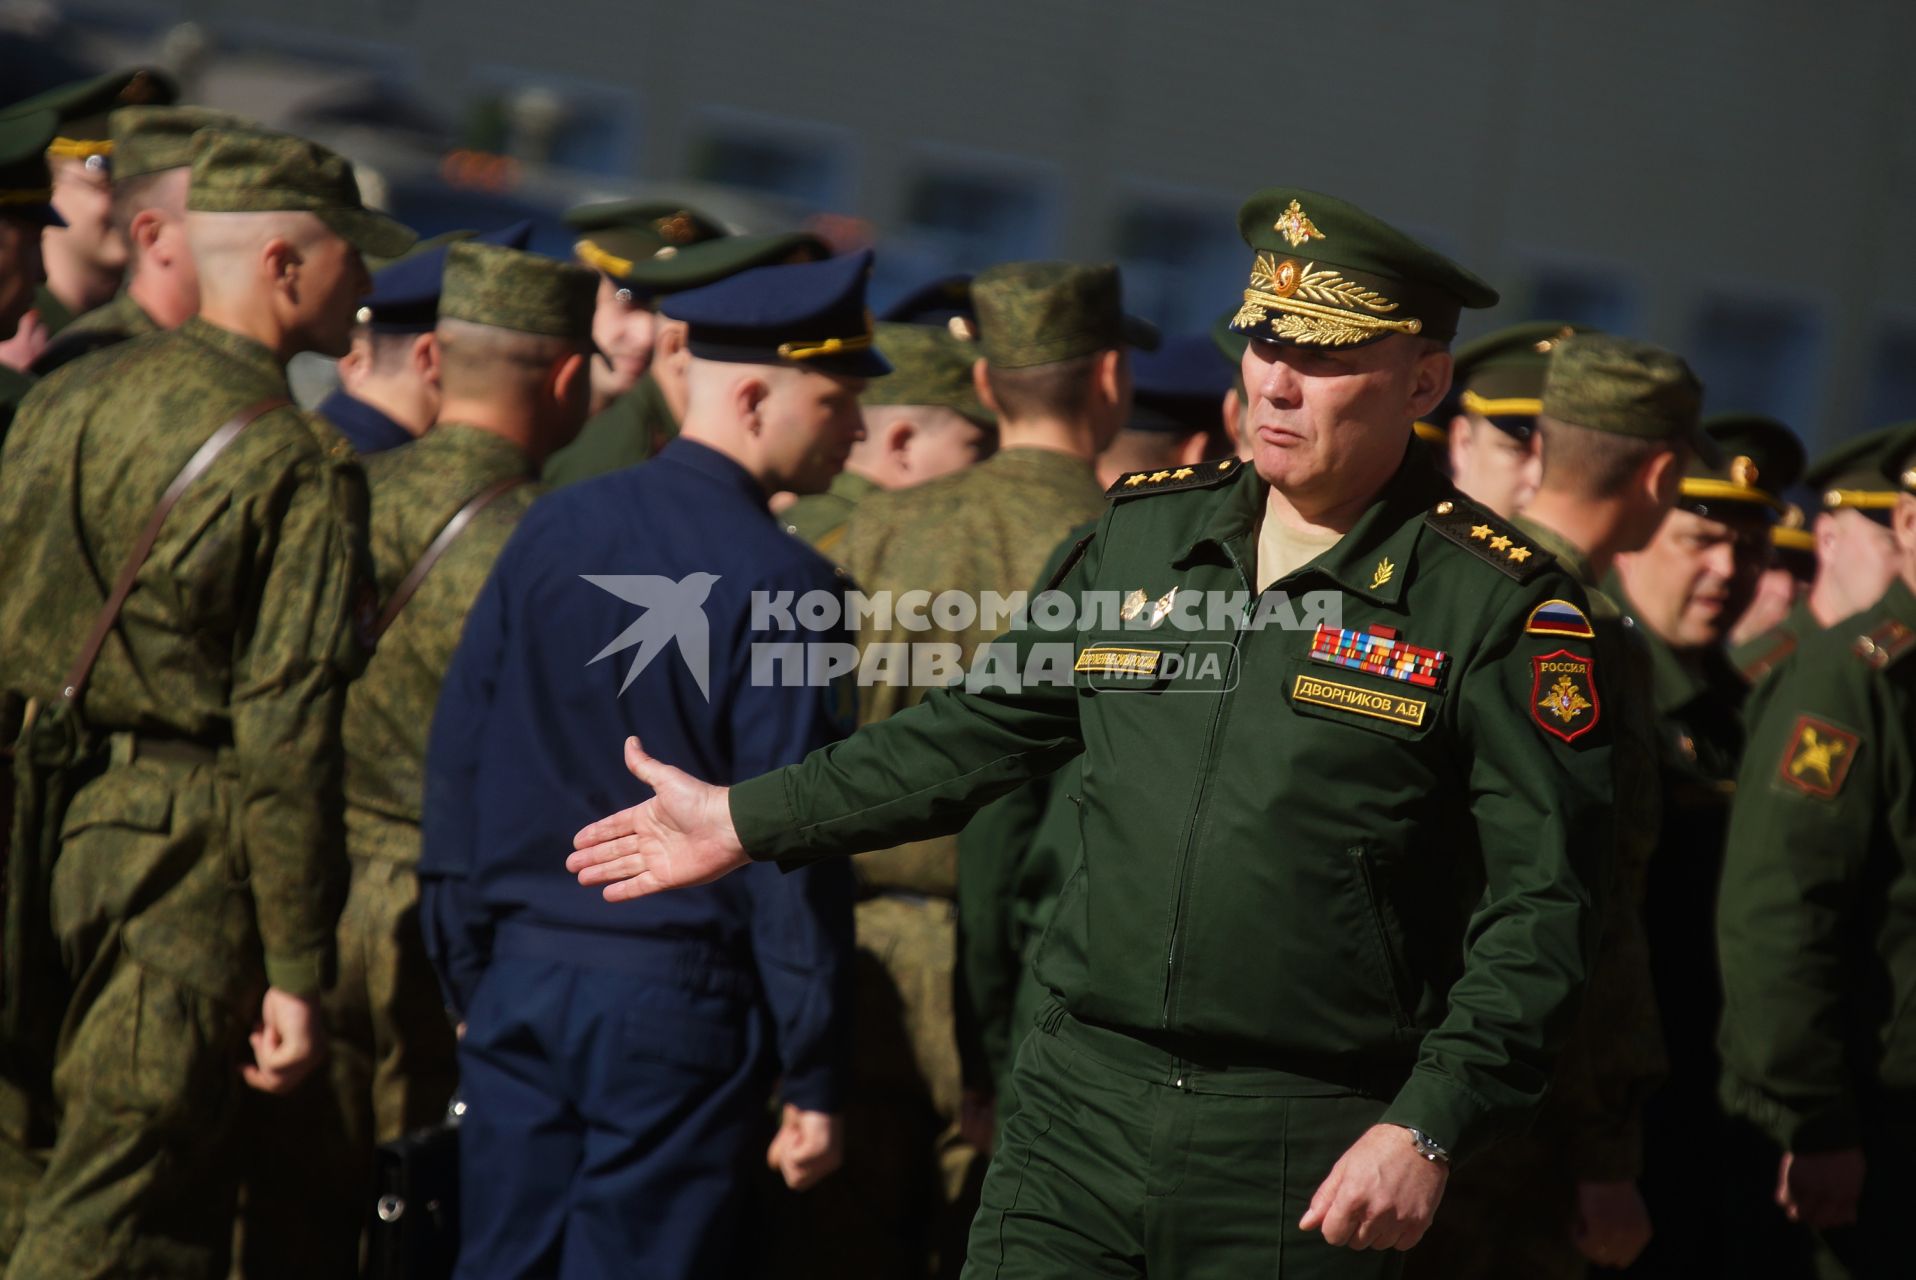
{"x": 440, "y": 545}
{"x": 75, "y": 683}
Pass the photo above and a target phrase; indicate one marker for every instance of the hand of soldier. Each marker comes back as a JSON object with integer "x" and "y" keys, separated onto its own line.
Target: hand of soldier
{"x": 1613, "y": 1223}
{"x": 1380, "y": 1194}
{"x": 289, "y": 1040}
{"x": 682, "y": 836}
{"x": 1820, "y": 1188}
{"x": 808, "y": 1146}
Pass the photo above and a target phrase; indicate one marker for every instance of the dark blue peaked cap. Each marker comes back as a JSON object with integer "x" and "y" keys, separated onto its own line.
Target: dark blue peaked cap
{"x": 810, "y": 314}
{"x": 935, "y": 303}
{"x": 1180, "y": 386}
{"x": 405, "y": 296}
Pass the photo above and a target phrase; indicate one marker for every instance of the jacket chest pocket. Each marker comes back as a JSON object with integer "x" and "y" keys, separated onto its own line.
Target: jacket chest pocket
{"x": 1363, "y": 700}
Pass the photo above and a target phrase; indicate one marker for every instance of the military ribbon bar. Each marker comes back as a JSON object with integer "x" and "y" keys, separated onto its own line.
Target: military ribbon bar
{"x": 1379, "y": 655}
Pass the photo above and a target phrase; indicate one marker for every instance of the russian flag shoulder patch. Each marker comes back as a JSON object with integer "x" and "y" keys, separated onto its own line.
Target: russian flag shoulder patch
{"x": 1558, "y": 618}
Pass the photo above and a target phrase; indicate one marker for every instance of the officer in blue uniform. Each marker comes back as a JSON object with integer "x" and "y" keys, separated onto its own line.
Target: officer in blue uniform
{"x": 617, "y": 1059}
{"x": 397, "y": 394}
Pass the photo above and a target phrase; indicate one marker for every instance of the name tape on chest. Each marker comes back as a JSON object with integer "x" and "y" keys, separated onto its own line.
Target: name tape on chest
{"x": 1394, "y": 707}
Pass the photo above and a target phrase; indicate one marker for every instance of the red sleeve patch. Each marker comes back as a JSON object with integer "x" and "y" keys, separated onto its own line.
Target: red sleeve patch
{"x": 1563, "y": 694}
{"x": 1817, "y": 758}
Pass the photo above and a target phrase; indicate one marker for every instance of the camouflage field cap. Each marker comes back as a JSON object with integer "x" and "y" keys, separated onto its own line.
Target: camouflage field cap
{"x": 1032, "y": 313}
{"x": 1327, "y": 274}
{"x": 26, "y": 184}
{"x": 1759, "y": 459}
{"x": 929, "y": 366}
{"x": 256, "y": 171}
{"x": 1628, "y": 388}
{"x": 85, "y": 105}
{"x": 506, "y": 288}
{"x": 1864, "y": 474}
{"x": 1499, "y": 377}
{"x": 150, "y": 140}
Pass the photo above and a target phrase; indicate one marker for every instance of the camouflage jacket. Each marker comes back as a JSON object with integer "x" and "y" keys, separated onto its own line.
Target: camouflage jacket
{"x": 104, "y": 326}
{"x": 415, "y": 491}
{"x": 988, "y": 528}
{"x": 239, "y": 635}
{"x": 820, "y": 518}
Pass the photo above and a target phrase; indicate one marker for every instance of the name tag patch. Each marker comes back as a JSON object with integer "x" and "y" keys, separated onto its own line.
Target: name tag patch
{"x": 1110, "y": 660}
{"x": 1394, "y": 707}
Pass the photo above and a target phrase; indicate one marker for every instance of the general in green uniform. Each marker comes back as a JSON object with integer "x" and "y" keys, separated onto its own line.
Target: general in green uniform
{"x": 206, "y": 864}
{"x": 1345, "y": 813}
{"x": 1817, "y": 920}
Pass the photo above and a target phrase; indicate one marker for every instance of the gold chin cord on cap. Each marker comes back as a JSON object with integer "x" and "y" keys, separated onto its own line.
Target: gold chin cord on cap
{"x": 1860, "y": 499}
{"x": 1729, "y": 491}
{"x": 27, "y": 195}
{"x": 79, "y": 149}
{"x": 1512, "y": 406}
{"x": 827, "y": 347}
{"x": 610, "y": 263}
{"x": 1318, "y": 306}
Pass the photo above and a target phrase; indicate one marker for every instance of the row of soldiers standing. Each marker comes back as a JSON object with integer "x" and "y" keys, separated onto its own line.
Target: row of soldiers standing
{"x": 1819, "y": 809}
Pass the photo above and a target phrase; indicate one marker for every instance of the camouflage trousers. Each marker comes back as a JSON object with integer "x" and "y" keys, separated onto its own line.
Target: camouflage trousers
{"x": 901, "y": 1205}
{"x": 392, "y": 1070}
{"x": 140, "y": 1178}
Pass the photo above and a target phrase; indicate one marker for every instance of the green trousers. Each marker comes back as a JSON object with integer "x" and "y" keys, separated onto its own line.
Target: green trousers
{"x": 1123, "y": 1162}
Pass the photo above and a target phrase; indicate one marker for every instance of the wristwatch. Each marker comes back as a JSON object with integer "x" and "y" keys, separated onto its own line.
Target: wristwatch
{"x": 1428, "y": 1148}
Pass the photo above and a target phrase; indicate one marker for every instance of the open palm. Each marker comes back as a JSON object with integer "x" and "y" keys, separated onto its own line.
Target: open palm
{"x": 682, "y": 836}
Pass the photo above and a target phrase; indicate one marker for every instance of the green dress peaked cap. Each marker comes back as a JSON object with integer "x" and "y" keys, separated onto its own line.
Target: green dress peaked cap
{"x": 656, "y": 247}
{"x": 256, "y": 171}
{"x": 26, "y": 184}
{"x": 84, "y": 106}
{"x": 1760, "y": 458}
{"x": 929, "y": 366}
{"x": 154, "y": 139}
{"x": 1032, "y": 313}
{"x": 1601, "y": 382}
{"x": 1864, "y": 474}
{"x": 509, "y": 288}
{"x": 1326, "y": 273}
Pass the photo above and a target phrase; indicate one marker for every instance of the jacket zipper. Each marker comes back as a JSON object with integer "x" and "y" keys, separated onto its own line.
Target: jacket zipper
{"x": 1197, "y": 816}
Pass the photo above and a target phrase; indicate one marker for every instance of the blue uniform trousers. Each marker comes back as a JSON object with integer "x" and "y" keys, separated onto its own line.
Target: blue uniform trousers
{"x": 616, "y": 1091}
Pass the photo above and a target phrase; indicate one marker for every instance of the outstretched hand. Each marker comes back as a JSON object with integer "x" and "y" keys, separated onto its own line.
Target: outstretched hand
{"x": 682, "y": 836}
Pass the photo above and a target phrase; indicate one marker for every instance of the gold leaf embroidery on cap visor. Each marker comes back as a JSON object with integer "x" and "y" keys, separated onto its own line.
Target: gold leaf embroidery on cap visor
{"x": 1318, "y": 305}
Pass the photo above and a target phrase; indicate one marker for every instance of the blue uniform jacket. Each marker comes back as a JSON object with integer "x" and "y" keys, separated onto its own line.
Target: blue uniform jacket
{"x": 366, "y": 428}
{"x": 527, "y": 741}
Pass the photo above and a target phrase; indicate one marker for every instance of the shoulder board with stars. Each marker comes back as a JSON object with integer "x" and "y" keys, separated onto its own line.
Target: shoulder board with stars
{"x": 1489, "y": 539}
{"x": 1885, "y": 643}
{"x": 1200, "y": 475}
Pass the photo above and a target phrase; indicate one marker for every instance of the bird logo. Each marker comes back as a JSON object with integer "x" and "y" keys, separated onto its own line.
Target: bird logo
{"x": 674, "y": 610}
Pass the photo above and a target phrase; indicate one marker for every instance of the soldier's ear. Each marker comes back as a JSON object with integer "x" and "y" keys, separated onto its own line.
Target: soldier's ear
{"x": 1430, "y": 379}
{"x": 981, "y": 383}
{"x": 1903, "y": 521}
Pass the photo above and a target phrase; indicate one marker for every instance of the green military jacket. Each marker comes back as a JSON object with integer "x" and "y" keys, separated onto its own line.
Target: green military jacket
{"x": 1771, "y": 651}
{"x": 987, "y": 528}
{"x": 1615, "y": 1056}
{"x": 623, "y": 434}
{"x": 820, "y": 518}
{"x": 113, "y": 322}
{"x": 239, "y": 635}
{"x": 1817, "y": 919}
{"x": 415, "y": 492}
{"x": 1379, "y": 866}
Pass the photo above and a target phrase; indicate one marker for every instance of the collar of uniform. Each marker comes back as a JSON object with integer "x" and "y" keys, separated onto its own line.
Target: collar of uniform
{"x": 1899, "y": 602}
{"x": 852, "y": 487}
{"x": 366, "y": 427}
{"x": 710, "y": 463}
{"x": 1030, "y": 460}
{"x": 1678, "y": 679}
{"x": 237, "y": 347}
{"x": 1566, "y": 552}
{"x": 491, "y": 454}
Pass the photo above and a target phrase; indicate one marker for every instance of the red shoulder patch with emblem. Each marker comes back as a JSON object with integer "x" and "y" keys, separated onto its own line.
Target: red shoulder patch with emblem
{"x": 1818, "y": 756}
{"x": 1563, "y": 694}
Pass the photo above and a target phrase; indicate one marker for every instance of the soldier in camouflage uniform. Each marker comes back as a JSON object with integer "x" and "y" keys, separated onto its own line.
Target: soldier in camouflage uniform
{"x": 152, "y": 158}
{"x": 200, "y": 874}
{"x": 922, "y": 421}
{"x": 644, "y": 251}
{"x": 26, "y": 194}
{"x": 514, "y": 333}
{"x": 1053, "y": 337}
{"x": 1616, "y": 420}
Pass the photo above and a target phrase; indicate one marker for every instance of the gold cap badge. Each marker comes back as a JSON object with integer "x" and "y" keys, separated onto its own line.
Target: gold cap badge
{"x": 1743, "y": 472}
{"x": 1297, "y": 226}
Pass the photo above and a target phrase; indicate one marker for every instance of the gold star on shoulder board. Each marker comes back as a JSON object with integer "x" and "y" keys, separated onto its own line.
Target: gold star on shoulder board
{"x": 1133, "y": 481}
{"x": 1183, "y": 473}
{"x": 1520, "y": 554}
{"x": 1159, "y": 477}
{"x": 1499, "y": 543}
{"x": 1480, "y": 531}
